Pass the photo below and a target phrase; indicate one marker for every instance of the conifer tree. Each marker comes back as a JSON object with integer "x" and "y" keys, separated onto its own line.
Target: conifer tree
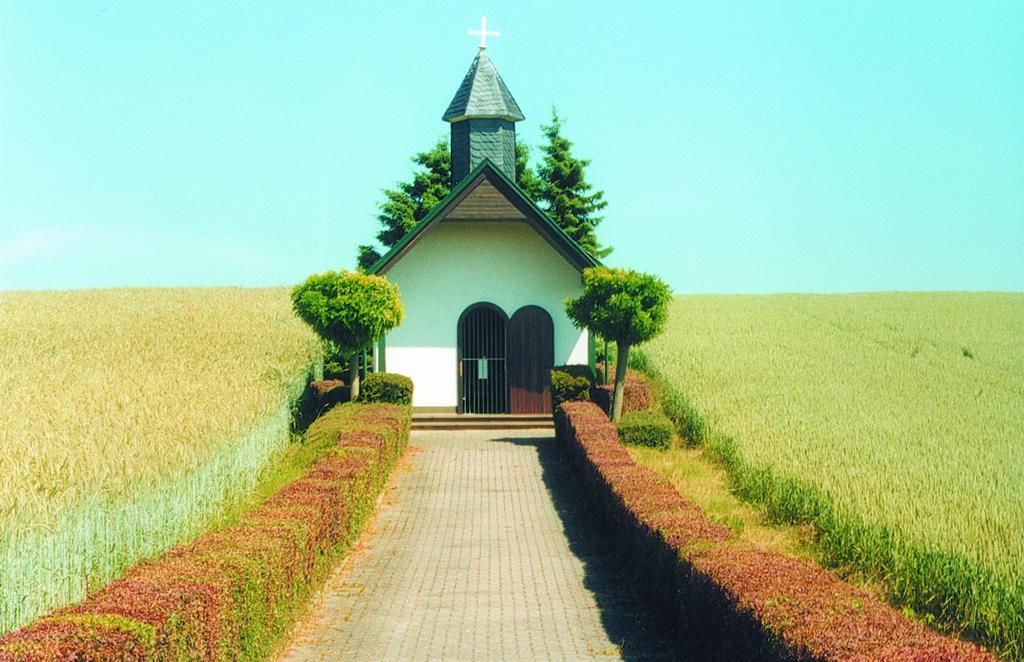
{"x": 525, "y": 176}
{"x": 564, "y": 191}
{"x": 407, "y": 204}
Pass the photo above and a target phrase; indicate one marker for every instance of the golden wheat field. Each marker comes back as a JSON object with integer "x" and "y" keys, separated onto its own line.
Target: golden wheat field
{"x": 127, "y": 416}
{"x": 895, "y": 422}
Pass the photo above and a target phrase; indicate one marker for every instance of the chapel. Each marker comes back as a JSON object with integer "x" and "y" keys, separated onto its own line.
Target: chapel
{"x": 484, "y": 277}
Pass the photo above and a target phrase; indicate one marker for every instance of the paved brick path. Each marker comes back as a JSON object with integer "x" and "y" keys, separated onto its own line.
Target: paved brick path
{"x": 481, "y": 551}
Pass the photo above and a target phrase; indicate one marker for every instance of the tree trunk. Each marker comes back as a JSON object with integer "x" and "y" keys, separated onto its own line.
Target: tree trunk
{"x": 604, "y": 371}
{"x": 620, "y": 379}
{"x": 353, "y": 376}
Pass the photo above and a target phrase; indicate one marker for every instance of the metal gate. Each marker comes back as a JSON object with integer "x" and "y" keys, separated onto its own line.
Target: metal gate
{"x": 483, "y": 352}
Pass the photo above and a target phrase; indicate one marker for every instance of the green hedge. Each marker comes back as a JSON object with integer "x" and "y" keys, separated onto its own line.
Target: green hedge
{"x": 645, "y": 428}
{"x": 571, "y": 383}
{"x": 319, "y": 396}
{"x": 576, "y": 370}
{"x": 386, "y": 387}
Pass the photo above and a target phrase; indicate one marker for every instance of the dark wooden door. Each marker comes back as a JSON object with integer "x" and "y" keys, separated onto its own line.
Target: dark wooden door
{"x": 531, "y": 355}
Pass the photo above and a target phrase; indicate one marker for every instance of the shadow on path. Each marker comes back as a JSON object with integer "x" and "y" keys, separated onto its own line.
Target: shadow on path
{"x": 638, "y": 632}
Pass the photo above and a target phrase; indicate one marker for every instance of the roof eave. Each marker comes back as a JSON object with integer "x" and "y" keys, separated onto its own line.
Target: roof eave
{"x": 385, "y": 259}
{"x": 585, "y": 259}
{"x": 588, "y": 259}
{"x": 483, "y": 116}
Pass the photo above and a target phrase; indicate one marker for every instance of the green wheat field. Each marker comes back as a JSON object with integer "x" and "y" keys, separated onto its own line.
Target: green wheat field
{"x": 129, "y": 417}
{"x": 894, "y": 422}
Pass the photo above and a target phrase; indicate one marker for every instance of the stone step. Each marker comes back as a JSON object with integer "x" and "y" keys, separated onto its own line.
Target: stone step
{"x": 482, "y": 422}
{"x": 480, "y": 426}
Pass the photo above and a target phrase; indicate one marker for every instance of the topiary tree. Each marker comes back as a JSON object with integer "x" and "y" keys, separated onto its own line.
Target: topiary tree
{"x": 621, "y": 305}
{"x": 349, "y": 310}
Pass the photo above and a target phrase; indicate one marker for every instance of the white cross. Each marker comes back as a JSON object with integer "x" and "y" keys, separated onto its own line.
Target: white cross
{"x": 483, "y": 33}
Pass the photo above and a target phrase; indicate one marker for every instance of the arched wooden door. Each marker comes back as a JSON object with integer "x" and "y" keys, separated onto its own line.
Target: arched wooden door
{"x": 483, "y": 352}
{"x": 531, "y": 355}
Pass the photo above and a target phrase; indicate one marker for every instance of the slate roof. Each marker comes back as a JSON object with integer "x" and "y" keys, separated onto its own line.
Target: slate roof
{"x": 483, "y": 94}
{"x": 563, "y": 243}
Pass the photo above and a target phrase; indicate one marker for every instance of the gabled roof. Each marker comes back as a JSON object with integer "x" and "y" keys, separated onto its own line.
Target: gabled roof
{"x": 485, "y": 170}
{"x": 483, "y": 94}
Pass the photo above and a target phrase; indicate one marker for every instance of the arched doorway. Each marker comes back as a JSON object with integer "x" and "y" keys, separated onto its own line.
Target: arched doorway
{"x": 483, "y": 353}
{"x": 531, "y": 355}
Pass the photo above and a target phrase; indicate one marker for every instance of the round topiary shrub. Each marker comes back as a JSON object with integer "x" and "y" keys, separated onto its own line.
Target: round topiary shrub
{"x": 567, "y": 386}
{"x": 645, "y": 428}
{"x": 387, "y": 387}
{"x": 624, "y": 306}
{"x": 349, "y": 311}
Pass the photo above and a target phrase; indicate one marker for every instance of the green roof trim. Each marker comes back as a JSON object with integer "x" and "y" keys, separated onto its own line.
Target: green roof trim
{"x": 557, "y": 235}
{"x": 483, "y": 94}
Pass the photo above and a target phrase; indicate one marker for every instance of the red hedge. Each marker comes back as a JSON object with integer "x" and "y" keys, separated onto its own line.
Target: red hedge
{"x": 636, "y": 394}
{"x": 232, "y": 591}
{"x": 730, "y": 600}
{"x": 328, "y": 392}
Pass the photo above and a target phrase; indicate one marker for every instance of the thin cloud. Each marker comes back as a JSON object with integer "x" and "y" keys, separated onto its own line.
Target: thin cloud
{"x": 99, "y": 256}
{"x": 38, "y": 242}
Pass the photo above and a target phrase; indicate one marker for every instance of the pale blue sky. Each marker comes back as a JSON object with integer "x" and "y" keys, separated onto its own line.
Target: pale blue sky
{"x": 743, "y": 147}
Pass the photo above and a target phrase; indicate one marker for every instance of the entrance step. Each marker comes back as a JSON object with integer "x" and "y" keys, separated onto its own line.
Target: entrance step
{"x": 482, "y": 422}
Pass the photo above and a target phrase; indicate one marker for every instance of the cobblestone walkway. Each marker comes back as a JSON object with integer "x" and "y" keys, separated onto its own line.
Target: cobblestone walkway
{"x": 481, "y": 551}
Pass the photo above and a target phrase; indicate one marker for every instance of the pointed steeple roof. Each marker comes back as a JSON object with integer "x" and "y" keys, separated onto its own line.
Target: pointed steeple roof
{"x": 483, "y": 94}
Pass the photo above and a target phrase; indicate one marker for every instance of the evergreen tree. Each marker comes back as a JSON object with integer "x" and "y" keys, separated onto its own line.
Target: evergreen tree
{"x": 525, "y": 176}
{"x": 560, "y": 180}
{"x": 408, "y": 203}
{"x": 565, "y": 193}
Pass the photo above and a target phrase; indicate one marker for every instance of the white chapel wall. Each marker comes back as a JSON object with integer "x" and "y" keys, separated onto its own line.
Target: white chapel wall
{"x": 457, "y": 264}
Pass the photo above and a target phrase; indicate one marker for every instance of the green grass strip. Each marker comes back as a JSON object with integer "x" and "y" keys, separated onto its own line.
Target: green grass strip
{"x": 939, "y": 588}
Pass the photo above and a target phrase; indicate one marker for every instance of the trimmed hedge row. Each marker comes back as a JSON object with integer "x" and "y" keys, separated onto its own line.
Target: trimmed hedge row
{"x": 646, "y": 428}
{"x": 636, "y": 394}
{"x": 329, "y": 392}
{"x": 386, "y": 387}
{"x": 566, "y": 387}
{"x": 577, "y": 383}
{"x": 319, "y": 396}
{"x": 730, "y": 600}
{"x": 233, "y": 592}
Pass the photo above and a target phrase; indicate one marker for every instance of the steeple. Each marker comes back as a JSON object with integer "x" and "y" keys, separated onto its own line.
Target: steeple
{"x": 483, "y": 116}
